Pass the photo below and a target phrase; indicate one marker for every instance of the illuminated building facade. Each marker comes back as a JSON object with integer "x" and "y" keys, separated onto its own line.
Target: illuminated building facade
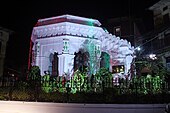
{"x": 60, "y": 45}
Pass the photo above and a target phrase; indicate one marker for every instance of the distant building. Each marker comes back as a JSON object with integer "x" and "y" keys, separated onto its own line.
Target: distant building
{"x": 127, "y": 28}
{"x": 161, "y": 13}
{"x": 4, "y": 36}
{"x": 158, "y": 40}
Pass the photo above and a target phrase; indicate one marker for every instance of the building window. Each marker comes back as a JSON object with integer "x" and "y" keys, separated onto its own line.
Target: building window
{"x": 1, "y": 34}
{"x": 118, "y": 69}
{"x": 167, "y": 39}
{"x": 158, "y": 21}
{"x": 166, "y": 18}
{"x": 0, "y": 47}
{"x": 65, "y": 46}
{"x": 165, "y": 8}
{"x": 117, "y": 31}
{"x": 168, "y": 63}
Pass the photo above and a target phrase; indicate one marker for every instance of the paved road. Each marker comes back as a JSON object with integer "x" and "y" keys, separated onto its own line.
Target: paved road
{"x": 40, "y": 107}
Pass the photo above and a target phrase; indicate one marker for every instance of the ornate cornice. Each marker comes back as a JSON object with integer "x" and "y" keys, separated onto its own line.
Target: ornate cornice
{"x": 67, "y": 28}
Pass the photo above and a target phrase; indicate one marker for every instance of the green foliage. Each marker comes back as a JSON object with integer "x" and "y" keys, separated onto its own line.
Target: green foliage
{"x": 147, "y": 85}
{"x": 34, "y": 73}
{"x": 46, "y": 84}
{"x": 34, "y": 81}
{"x": 103, "y": 72}
{"x": 154, "y": 81}
{"x": 104, "y": 76}
{"x": 78, "y": 82}
{"x": 156, "y": 67}
{"x": 100, "y": 82}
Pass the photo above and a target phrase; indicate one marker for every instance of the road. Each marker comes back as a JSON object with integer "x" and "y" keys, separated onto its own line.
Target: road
{"x": 43, "y": 107}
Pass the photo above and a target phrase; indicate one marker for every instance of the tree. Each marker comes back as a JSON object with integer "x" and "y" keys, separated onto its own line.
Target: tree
{"x": 34, "y": 80}
{"x": 34, "y": 74}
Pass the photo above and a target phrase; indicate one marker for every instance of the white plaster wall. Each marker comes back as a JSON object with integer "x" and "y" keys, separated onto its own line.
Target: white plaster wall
{"x": 77, "y": 34}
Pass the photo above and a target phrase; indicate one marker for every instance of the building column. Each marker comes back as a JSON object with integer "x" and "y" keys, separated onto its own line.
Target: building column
{"x": 66, "y": 60}
{"x": 66, "y": 64}
{"x": 37, "y": 53}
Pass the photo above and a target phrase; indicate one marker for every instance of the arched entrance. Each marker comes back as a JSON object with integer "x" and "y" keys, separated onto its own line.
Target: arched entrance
{"x": 53, "y": 67}
{"x": 105, "y": 60}
{"x": 81, "y": 61}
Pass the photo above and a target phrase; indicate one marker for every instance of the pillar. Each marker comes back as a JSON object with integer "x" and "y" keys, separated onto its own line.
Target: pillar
{"x": 65, "y": 64}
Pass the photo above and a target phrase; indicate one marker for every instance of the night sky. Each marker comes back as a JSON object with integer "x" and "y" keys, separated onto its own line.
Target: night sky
{"x": 20, "y": 16}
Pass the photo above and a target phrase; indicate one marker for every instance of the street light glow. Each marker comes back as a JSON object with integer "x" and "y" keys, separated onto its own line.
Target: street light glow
{"x": 138, "y": 48}
{"x": 152, "y": 56}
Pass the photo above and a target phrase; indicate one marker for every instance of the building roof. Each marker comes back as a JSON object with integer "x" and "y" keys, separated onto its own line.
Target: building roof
{"x": 6, "y": 30}
{"x": 68, "y": 18}
{"x": 159, "y": 4}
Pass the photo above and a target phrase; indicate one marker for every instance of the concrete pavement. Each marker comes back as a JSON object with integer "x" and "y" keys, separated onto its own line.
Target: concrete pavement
{"x": 44, "y": 107}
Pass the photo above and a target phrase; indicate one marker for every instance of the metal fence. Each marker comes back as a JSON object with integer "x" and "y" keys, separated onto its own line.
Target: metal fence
{"x": 87, "y": 90}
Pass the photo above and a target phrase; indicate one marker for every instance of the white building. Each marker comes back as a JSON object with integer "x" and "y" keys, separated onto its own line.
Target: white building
{"x": 57, "y": 42}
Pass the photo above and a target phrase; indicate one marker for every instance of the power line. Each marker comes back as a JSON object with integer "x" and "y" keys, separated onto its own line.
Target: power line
{"x": 148, "y": 41}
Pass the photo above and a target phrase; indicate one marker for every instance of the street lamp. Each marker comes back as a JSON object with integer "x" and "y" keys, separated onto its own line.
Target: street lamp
{"x": 138, "y": 48}
{"x": 152, "y": 56}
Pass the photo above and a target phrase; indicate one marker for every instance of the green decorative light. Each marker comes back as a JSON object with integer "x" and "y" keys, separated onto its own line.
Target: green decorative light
{"x": 90, "y": 23}
{"x": 46, "y": 86}
{"x": 77, "y": 81}
{"x": 106, "y": 60}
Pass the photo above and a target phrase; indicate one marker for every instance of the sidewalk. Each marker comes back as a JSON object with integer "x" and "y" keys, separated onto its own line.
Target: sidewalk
{"x": 43, "y": 107}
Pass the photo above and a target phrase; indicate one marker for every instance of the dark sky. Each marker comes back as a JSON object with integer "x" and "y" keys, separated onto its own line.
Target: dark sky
{"x": 20, "y": 16}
